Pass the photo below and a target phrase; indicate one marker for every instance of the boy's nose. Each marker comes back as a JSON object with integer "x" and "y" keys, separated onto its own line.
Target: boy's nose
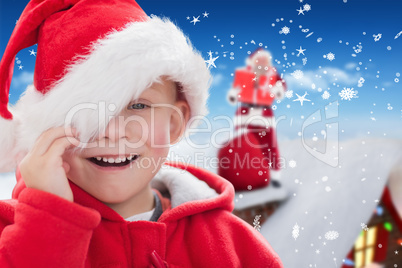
{"x": 115, "y": 130}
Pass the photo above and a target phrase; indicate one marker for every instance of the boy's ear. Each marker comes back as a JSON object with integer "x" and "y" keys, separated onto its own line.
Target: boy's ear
{"x": 178, "y": 120}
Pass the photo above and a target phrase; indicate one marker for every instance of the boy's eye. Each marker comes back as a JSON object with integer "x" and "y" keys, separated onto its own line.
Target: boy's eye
{"x": 137, "y": 106}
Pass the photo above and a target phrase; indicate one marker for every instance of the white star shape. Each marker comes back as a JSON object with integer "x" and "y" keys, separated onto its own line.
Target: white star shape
{"x": 211, "y": 61}
{"x": 396, "y": 252}
{"x": 188, "y": 18}
{"x": 205, "y": 14}
{"x": 20, "y": 67}
{"x": 301, "y": 51}
{"x": 301, "y": 11}
{"x": 195, "y": 20}
{"x": 301, "y": 98}
{"x": 32, "y": 52}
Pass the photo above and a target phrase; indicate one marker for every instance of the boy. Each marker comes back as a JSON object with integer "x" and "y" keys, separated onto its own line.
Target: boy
{"x": 113, "y": 89}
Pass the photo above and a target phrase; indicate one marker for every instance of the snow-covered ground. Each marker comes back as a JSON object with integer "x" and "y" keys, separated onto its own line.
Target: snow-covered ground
{"x": 318, "y": 224}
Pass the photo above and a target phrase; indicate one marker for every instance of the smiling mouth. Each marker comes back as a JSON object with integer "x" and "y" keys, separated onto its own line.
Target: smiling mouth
{"x": 113, "y": 162}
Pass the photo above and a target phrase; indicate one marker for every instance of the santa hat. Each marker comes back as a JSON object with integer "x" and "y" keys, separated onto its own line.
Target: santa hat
{"x": 92, "y": 55}
{"x": 259, "y": 52}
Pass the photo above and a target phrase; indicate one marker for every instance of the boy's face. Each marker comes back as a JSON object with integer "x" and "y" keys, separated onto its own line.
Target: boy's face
{"x": 132, "y": 149}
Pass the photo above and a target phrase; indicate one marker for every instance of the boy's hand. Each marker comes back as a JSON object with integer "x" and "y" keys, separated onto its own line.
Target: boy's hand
{"x": 43, "y": 167}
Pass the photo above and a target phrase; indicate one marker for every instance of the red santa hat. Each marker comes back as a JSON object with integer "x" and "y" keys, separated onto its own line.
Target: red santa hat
{"x": 92, "y": 55}
{"x": 259, "y": 52}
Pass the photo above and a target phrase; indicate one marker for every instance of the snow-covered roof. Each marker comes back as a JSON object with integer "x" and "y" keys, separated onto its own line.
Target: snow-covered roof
{"x": 318, "y": 225}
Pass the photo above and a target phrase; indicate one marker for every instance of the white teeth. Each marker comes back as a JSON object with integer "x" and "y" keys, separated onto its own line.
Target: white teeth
{"x": 115, "y": 160}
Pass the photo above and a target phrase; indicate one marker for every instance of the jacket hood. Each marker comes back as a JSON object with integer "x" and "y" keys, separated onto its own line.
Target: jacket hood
{"x": 191, "y": 190}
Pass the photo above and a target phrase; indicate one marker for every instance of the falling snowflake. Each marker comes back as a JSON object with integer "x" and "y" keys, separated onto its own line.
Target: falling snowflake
{"x": 260, "y": 173}
{"x": 301, "y": 51}
{"x": 301, "y": 11}
{"x": 330, "y": 56}
{"x": 331, "y": 235}
{"x": 364, "y": 227}
{"x": 295, "y": 231}
{"x": 377, "y": 37}
{"x": 292, "y": 163}
{"x": 298, "y": 74}
{"x": 358, "y": 48}
{"x": 301, "y": 98}
{"x": 256, "y": 222}
{"x": 360, "y": 82}
{"x": 306, "y": 7}
{"x": 304, "y": 61}
{"x": 348, "y": 94}
{"x": 211, "y": 60}
{"x": 310, "y": 34}
{"x": 195, "y": 20}
{"x": 285, "y": 30}
{"x": 289, "y": 94}
{"x": 325, "y": 95}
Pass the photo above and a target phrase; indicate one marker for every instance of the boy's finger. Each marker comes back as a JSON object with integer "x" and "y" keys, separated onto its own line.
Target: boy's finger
{"x": 60, "y": 145}
{"x": 46, "y": 139}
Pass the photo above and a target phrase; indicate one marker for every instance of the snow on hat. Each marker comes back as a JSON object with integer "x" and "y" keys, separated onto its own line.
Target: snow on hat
{"x": 259, "y": 52}
{"x": 91, "y": 52}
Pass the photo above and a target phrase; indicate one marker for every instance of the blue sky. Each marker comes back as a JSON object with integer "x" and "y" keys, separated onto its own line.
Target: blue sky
{"x": 239, "y": 27}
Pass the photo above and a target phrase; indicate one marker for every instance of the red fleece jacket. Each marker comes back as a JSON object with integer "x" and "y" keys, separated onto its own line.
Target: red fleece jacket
{"x": 38, "y": 229}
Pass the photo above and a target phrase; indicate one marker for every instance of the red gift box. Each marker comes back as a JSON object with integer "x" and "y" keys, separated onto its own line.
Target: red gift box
{"x": 251, "y": 92}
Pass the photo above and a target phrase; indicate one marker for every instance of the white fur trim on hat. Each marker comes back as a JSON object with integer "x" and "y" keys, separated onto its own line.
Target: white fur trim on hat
{"x": 117, "y": 70}
{"x": 8, "y": 137}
